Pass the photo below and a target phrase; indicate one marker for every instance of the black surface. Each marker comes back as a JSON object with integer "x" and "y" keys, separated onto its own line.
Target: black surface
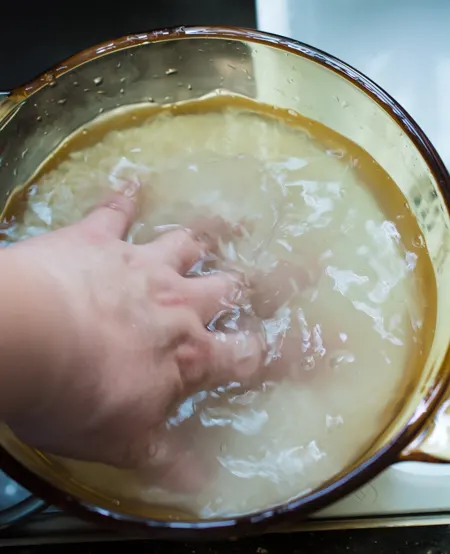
{"x": 416, "y": 540}
{"x": 34, "y": 36}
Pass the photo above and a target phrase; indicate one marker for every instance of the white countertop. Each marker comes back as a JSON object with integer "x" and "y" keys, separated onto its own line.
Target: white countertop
{"x": 403, "y": 45}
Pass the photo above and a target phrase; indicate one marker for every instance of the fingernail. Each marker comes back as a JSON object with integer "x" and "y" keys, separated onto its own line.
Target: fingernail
{"x": 130, "y": 188}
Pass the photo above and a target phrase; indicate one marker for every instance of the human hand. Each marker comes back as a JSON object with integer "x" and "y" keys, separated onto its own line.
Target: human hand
{"x": 297, "y": 352}
{"x": 130, "y": 336}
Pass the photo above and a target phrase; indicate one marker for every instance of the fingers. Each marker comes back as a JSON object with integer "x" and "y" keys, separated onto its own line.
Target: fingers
{"x": 212, "y": 294}
{"x": 271, "y": 290}
{"x": 209, "y": 230}
{"x": 112, "y": 218}
{"x": 173, "y": 465}
{"x": 236, "y": 357}
{"x": 182, "y": 248}
{"x": 217, "y": 359}
{"x": 178, "y": 249}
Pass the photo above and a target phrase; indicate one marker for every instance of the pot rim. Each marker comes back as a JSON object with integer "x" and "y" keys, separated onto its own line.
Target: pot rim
{"x": 352, "y": 479}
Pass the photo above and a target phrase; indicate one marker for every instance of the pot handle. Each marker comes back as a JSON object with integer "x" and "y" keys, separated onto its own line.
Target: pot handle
{"x": 433, "y": 444}
{"x": 7, "y": 103}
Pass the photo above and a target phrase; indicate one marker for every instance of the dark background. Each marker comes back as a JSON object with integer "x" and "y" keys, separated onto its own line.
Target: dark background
{"x": 34, "y": 36}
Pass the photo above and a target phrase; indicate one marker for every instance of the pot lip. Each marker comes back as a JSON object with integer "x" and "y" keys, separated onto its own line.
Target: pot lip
{"x": 352, "y": 479}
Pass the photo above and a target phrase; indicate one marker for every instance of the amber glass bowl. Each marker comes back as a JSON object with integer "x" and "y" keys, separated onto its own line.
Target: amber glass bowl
{"x": 186, "y": 63}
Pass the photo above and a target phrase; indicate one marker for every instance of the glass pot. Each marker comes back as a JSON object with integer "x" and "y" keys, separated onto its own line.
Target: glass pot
{"x": 185, "y": 63}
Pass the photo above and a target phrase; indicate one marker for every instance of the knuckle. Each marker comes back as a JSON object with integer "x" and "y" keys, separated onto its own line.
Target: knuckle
{"x": 119, "y": 203}
{"x": 193, "y": 358}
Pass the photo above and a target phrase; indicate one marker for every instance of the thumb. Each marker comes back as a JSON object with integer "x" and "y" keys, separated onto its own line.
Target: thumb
{"x": 112, "y": 218}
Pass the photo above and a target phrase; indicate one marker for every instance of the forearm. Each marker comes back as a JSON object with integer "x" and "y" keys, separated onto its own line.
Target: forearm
{"x": 30, "y": 347}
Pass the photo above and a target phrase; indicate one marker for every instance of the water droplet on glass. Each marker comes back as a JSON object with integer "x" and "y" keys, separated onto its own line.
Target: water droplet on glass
{"x": 418, "y": 241}
{"x": 52, "y": 84}
{"x": 122, "y": 91}
{"x": 98, "y": 81}
{"x": 39, "y": 118}
{"x": 84, "y": 132}
{"x": 62, "y": 101}
{"x": 75, "y": 83}
{"x": 101, "y": 92}
{"x": 86, "y": 90}
{"x": 101, "y": 110}
{"x": 119, "y": 65}
{"x": 189, "y": 87}
{"x": 123, "y": 79}
{"x": 171, "y": 71}
{"x": 150, "y": 99}
{"x": 24, "y": 153}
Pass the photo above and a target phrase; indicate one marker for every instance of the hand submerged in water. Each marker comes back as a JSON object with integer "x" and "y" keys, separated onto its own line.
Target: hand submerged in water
{"x": 130, "y": 341}
{"x": 129, "y": 334}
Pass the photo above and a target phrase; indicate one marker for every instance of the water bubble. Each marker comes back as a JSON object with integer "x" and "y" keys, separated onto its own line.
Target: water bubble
{"x": 341, "y": 358}
{"x": 336, "y": 153}
{"x": 308, "y": 363}
{"x": 333, "y": 421}
{"x": 98, "y": 81}
{"x": 171, "y": 71}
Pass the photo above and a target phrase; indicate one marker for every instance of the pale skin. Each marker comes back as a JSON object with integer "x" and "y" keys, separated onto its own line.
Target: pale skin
{"x": 101, "y": 339}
